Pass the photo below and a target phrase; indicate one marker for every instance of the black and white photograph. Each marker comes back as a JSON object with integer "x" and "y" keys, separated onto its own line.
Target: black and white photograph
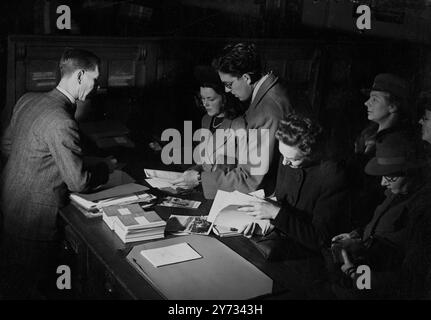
{"x": 310, "y": 119}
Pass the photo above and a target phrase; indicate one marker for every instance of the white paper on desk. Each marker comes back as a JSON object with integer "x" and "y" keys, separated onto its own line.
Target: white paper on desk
{"x": 224, "y": 212}
{"x": 162, "y": 179}
{"x": 110, "y": 196}
{"x": 160, "y": 183}
{"x": 164, "y": 175}
{"x": 176, "y": 253}
{"x": 224, "y": 199}
{"x": 258, "y": 194}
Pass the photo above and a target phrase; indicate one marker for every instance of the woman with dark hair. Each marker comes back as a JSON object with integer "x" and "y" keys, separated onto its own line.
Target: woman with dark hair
{"x": 311, "y": 191}
{"x": 223, "y": 114}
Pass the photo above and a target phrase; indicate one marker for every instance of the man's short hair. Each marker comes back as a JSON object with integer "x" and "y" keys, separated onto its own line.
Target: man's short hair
{"x": 239, "y": 59}
{"x": 76, "y": 59}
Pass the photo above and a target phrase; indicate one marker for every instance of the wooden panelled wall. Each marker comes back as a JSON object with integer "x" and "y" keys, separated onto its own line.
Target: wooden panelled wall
{"x": 148, "y": 83}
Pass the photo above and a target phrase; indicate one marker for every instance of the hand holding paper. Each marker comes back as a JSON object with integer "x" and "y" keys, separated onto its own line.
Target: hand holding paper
{"x": 189, "y": 179}
{"x": 261, "y": 228}
{"x": 260, "y": 210}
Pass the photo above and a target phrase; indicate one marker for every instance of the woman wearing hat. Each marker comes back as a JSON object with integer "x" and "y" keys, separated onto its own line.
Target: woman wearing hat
{"x": 383, "y": 244}
{"x": 387, "y": 111}
{"x": 222, "y": 113}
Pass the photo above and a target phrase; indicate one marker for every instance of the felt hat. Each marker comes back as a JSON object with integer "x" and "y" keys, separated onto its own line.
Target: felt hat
{"x": 389, "y": 83}
{"x": 395, "y": 153}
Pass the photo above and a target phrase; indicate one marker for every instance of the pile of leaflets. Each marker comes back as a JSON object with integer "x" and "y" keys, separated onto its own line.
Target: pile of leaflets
{"x": 132, "y": 223}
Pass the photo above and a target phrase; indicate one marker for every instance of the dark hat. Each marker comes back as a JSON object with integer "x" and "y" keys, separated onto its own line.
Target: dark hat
{"x": 389, "y": 83}
{"x": 395, "y": 153}
{"x": 206, "y": 75}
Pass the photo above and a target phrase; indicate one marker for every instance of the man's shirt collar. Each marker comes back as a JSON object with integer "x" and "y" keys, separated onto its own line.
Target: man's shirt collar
{"x": 67, "y": 94}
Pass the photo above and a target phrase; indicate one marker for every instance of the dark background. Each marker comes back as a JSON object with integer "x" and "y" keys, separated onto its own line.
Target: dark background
{"x": 313, "y": 45}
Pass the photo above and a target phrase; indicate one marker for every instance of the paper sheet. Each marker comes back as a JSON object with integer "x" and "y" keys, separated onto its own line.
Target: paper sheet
{"x": 119, "y": 194}
{"x": 224, "y": 199}
{"x": 165, "y": 175}
{"x": 171, "y": 254}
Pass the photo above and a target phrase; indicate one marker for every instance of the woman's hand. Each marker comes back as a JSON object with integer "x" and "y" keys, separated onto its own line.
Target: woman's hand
{"x": 348, "y": 267}
{"x": 351, "y": 241}
{"x": 190, "y": 179}
{"x": 253, "y": 228}
{"x": 260, "y": 210}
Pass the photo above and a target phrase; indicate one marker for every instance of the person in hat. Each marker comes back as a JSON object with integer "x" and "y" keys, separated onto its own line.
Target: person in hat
{"x": 383, "y": 243}
{"x": 386, "y": 108}
{"x": 222, "y": 113}
{"x": 387, "y": 111}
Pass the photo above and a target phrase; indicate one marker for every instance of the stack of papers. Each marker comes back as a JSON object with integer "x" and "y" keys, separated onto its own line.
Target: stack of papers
{"x": 111, "y": 213}
{"x": 123, "y": 194}
{"x": 227, "y": 220}
{"x": 163, "y": 180}
{"x": 135, "y": 224}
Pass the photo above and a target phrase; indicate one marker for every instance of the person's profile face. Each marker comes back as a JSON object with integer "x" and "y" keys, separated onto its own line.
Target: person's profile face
{"x": 86, "y": 82}
{"x": 425, "y": 123}
{"x": 378, "y": 107}
{"x": 292, "y": 156}
{"x": 239, "y": 87}
{"x": 211, "y": 101}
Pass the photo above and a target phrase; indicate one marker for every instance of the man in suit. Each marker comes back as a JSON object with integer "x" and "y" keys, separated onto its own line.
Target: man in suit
{"x": 240, "y": 70}
{"x": 44, "y": 162}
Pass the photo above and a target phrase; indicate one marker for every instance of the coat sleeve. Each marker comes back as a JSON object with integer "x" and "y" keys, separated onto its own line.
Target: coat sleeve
{"x": 64, "y": 145}
{"x": 328, "y": 216}
{"x": 248, "y": 175}
{"x": 6, "y": 143}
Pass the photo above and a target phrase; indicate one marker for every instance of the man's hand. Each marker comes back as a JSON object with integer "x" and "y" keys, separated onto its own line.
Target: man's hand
{"x": 261, "y": 210}
{"x": 190, "y": 179}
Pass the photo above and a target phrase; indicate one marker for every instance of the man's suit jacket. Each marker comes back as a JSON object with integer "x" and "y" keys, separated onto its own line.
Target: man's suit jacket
{"x": 215, "y": 150}
{"x": 269, "y": 106}
{"x": 44, "y": 161}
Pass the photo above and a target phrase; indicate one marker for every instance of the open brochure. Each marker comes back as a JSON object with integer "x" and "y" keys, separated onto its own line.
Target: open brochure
{"x": 227, "y": 220}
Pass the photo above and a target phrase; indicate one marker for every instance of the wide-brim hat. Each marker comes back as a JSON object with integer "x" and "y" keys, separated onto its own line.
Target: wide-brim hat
{"x": 396, "y": 152}
{"x": 390, "y": 83}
